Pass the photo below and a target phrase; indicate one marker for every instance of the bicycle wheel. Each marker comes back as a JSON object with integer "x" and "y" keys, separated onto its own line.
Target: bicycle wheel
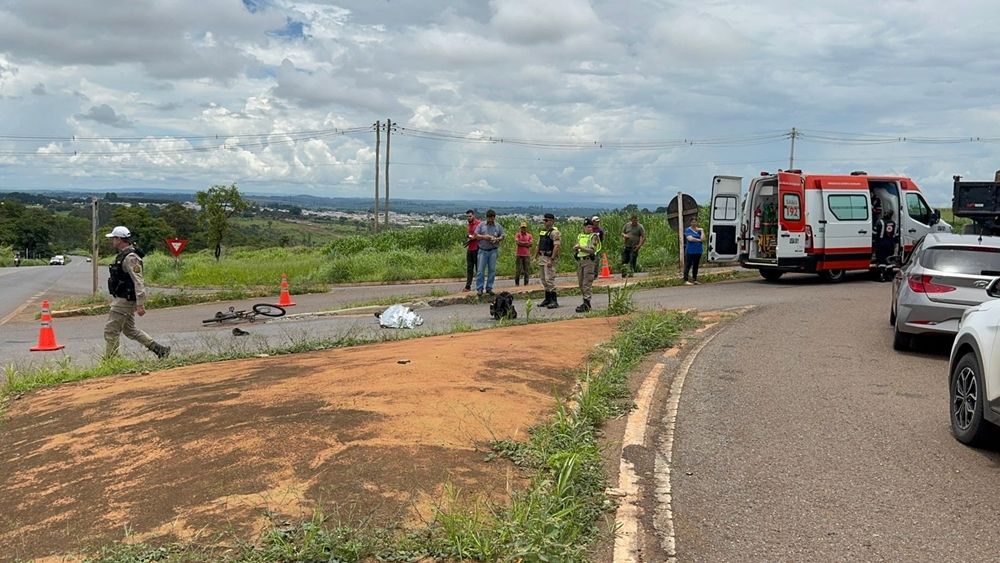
{"x": 268, "y": 310}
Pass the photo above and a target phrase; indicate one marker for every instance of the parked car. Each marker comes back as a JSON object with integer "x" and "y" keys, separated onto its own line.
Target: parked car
{"x": 974, "y": 368}
{"x": 58, "y": 260}
{"x": 943, "y": 276}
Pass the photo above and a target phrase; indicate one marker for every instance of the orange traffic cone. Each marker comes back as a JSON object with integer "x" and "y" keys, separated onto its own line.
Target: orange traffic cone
{"x": 46, "y": 336}
{"x": 284, "y": 300}
{"x": 605, "y": 269}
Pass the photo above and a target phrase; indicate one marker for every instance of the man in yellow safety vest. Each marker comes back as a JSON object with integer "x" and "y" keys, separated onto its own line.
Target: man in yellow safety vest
{"x": 588, "y": 244}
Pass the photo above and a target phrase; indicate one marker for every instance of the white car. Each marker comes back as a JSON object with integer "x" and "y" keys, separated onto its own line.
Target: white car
{"x": 974, "y": 383}
{"x": 58, "y": 260}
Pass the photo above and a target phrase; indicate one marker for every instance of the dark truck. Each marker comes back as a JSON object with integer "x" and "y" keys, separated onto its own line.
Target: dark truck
{"x": 980, "y": 202}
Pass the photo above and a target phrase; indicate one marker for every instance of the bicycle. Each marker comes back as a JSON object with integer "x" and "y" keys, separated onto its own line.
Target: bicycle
{"x": 260, "y": 309}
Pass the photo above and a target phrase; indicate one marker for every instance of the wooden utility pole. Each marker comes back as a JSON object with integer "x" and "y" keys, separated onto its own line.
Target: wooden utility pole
{"x": 680, "y": 229}
{"x": 93, "y": 241}
{"x": 388, "y": 132}
{"x": 378, "y": 143}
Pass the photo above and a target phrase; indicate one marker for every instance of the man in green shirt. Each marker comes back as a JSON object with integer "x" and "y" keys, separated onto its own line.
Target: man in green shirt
{"x": 635, "y": 236}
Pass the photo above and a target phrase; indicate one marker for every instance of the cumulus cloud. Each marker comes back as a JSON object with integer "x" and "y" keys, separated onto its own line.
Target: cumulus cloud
{"x": 480, "y": 186}
{"x": 39, "y": 89}
{"x": 106, "y": 115}
{"x": 535, "y": 185}
{"x": 589, "y": 185}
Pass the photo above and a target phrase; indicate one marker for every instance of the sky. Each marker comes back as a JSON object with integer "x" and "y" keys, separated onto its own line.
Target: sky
{"x": 614, "y": 102}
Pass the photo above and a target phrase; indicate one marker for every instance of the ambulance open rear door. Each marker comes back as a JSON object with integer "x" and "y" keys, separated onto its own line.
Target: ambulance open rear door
{"x": 725, "y": 219}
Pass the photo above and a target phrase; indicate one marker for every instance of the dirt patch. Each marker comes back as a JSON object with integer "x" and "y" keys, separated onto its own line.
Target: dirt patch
{"x": 373, "y": 432}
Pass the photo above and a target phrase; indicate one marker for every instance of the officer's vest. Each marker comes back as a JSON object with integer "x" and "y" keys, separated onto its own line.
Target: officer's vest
{"x": 583, "y": 239}
{"x": 120, "y": 283}
{"x": 889, "y": 230}
{"x": 545, "y": 241}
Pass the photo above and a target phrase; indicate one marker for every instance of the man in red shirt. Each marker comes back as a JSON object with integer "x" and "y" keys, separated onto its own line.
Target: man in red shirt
{"x": 472, "y": 248}
{"x": 523, "y": 239}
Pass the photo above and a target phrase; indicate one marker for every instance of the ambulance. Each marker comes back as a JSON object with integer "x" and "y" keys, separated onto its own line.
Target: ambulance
{"x": 823, "y": 224}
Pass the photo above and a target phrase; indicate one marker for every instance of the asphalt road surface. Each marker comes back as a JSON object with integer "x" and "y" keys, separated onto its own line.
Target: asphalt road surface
{"x": 802, "y": 436}
{"x": 24, "y": 287}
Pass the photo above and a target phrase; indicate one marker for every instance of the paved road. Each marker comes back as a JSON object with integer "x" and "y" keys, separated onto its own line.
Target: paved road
{"x": 23, "y": 288}
{"x": 802, "y": 436}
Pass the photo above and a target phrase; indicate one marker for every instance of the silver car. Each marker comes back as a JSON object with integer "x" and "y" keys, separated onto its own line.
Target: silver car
{"x": 944, "y": 275}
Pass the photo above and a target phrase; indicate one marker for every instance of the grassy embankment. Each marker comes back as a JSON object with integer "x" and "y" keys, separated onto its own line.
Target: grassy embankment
{"x": 556, "y": 518}
{"x": 7, "y": 259}
{"x": 431, "y": 252}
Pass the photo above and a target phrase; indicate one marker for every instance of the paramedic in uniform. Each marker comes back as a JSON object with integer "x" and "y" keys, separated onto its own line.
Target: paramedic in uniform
{"x": 886, "y": 232}
{"x": 548, "y": 256}
{"x": 586, "y": 247}
{"x": 128, "y": 294}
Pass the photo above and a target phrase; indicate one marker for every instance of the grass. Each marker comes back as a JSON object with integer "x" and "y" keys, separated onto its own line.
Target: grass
{"x": 556, "y": 518}
{"x": 428, "y": 252}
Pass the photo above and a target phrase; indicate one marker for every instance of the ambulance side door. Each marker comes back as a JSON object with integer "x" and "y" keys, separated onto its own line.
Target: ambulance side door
{"x": 725, "y": 219}
{"x": 915, "y": 219}
{"x": 791, "y": 219}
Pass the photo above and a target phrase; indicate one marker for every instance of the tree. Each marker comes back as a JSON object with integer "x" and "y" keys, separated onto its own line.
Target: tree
{"x": 184, "y": 221}
{"x": 218, "y": 205}
{"x": 148, "y": 232}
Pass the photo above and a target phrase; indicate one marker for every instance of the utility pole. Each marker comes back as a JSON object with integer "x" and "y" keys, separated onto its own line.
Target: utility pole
{"x": 680, "y": 229}
{"x": 93, "y": 241}
{"x": 378, "y": 142}
{"x": 791, "y": 156}
{"x": 388, "y": 132}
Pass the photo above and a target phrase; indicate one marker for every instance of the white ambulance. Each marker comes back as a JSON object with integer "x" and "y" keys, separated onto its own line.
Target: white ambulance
{"x": 795, "y": 222}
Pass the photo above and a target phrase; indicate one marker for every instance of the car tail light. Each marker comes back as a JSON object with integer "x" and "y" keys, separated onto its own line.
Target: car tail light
{"x": 923, "y": 284}
{"x": 809, "y": 239}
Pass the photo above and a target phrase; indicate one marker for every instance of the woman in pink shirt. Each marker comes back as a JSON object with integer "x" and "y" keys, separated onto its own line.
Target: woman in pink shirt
{"x": 523, "y": 240}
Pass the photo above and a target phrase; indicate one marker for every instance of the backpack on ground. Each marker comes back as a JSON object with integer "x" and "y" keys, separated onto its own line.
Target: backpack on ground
{"x": 503, "y": 307}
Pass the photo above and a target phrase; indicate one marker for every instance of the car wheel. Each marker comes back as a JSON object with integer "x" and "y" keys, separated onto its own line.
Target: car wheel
{"x": 770, "y": 275}
{"x": 833, "y": 276}
{"x": 900, "y": 340}
{"x": 967, "y": 423}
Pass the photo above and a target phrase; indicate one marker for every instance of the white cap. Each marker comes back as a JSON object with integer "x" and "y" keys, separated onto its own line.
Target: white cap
{"x": 595, "y": 218}
{"x": 120, "y": 232}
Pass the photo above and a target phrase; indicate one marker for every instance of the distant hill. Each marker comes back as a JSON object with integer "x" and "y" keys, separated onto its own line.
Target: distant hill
{"x": 350, "y": 204}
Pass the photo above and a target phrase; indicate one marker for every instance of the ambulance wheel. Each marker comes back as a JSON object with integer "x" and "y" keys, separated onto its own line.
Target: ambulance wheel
{"x": 833, "y": 276}
{"x": 770, "y": 275}
{"x": 901, "y": 340}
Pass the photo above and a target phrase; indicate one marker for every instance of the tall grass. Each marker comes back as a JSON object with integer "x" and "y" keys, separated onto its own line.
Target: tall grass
{"x": 429, "y": 252}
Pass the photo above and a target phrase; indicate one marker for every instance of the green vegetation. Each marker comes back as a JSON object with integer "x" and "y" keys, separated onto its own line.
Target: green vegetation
{"x": 557, "y": 518}
{"x": 218, "y": 205}
{"x": 431, "y": 252}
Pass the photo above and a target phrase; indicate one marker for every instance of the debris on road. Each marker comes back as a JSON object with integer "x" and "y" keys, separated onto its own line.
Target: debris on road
{"x": 399, "y": 316}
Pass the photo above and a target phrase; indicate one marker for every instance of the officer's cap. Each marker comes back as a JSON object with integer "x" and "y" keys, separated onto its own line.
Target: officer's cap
{"x": 120, "y": 232}
{"x": 550, "y": 216}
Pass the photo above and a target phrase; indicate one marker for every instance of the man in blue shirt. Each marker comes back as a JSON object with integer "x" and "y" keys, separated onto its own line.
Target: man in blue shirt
{"x": 693, "y": 237}
{"x": 489, "y": 234}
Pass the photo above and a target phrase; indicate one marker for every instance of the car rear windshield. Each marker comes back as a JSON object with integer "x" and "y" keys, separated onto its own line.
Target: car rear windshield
{"x": 962, "y": 260}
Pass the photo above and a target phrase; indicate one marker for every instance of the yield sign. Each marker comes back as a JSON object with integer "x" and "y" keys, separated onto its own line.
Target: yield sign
{"x": 176, "y": 245}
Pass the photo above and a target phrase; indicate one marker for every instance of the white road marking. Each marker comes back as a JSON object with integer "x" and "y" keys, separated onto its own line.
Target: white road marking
{"x": 23, "y": 306}
{"x": 666, "y": 454}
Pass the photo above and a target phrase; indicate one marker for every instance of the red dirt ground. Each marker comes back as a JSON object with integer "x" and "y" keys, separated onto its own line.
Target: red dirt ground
{"x": 214, "y": 448}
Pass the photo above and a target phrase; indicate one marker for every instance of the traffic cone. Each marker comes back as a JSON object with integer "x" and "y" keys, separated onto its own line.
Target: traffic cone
{"x": 284, "y": 300}
{"x": 46, "y": 336}
{"x": 605, "y": 269}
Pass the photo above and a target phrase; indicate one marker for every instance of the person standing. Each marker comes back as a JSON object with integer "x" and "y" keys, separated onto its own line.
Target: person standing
{"x": 523, "y": 239}
{"x": 586, "y": 262}
{"x": 600, "y": 239}
{"x": 694, "y": 236}
{"x": 471, "y": 248}
{"x": 489, "y": 234}
{"x": 886, "y": 245}
{"x": 635, "y": 236}
{"x": 128, "y": 294}
{"x": 548, "y": 256}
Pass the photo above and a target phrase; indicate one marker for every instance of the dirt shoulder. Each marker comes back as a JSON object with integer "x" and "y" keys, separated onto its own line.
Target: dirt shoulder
{"x": 374, "y": 431}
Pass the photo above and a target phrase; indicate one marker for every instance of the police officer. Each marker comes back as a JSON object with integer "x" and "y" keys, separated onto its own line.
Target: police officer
{"x": 128, "y": 294}
{"x": 586, "y": 248}
{"x": 887, "y": 233}
{"x": 548, "y": 256}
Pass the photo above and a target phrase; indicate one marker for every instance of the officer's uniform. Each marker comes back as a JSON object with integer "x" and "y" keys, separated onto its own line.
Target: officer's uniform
{"x": 548, "y": 251}
{"x": 128, "y": 292}
{"x": 886, "y": 231}
{"x": 586, "y": 264}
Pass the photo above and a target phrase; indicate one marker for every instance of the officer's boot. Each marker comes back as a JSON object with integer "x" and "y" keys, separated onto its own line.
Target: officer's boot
{"x": 554, "y": 304}
{"x": 160, "y": 350}
{"x": 584, "y": 307}
{"x": 547, "y": 300}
